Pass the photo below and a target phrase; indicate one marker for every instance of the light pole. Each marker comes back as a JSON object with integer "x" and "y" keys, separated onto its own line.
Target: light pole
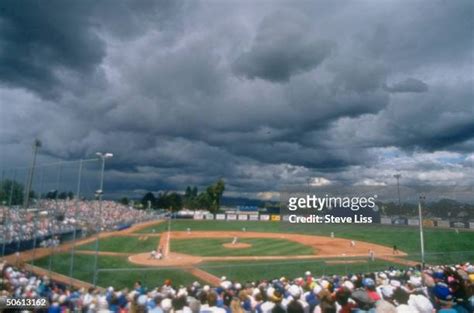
{"x": 36, "y": 146}
{"x": 397, "y": 176}
{"x": 78, "y": 191}
{"x": 99, "y": 193}
{"x": 422, "y": 243}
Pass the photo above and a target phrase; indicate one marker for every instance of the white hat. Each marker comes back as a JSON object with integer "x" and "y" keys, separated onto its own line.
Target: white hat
{"x": 182, "y": 292}
{"x": 348, "y": 284}
{"x": 226, "y": 284}
{"x": 387, "y": 291}
{"x": 395, "y": 283}
{"x": 166, "y": 304}
{"x": 255, "y": 292}
{"x": 294, "y": 291}
{"x": 307, "y": 273}
{"x": 270, "y": 292}
{"x": 325, "y": 284}
{"x": 142, "y": 300}
{"x": 317, "y": 289}
{"x": 415, "y": 281}
{"x": 420, "y": 303}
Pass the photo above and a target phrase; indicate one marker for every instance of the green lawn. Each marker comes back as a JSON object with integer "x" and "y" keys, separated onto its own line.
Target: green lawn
{"x": 253, "y": 270}
{"x": 123, "y": 244}
{"x": 260, "y": 246}
{"x": 406, "y": 238}
{"x": 83, "y": 270}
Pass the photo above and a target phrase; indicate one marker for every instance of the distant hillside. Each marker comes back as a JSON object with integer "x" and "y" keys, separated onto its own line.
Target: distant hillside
{"x": 242, "y": 201}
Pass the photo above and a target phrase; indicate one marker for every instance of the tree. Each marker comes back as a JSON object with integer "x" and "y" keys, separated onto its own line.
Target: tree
{"x": 149, "y": 197}
{"x": 51, "y": 194}
{"x": 190, "y": 198}
{"x": 175, "y": 202}
{"x": 124, "y": 201}
{"x": 10, "y": 188}
{"x": 215, "y": 193}
{"x": 62, "y": 195}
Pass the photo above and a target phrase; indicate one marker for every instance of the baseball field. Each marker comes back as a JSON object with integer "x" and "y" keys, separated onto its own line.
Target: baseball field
{"x": 244, "y": 250}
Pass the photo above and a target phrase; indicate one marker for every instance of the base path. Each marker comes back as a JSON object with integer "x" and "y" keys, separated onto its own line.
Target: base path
{"x": 324, "y": 247}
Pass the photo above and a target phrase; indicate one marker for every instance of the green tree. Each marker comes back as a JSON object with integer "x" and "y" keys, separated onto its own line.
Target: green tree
{"x": 70, "y": 195}
{"x": 62, "y": 195}
{"x": 124, "y": 201}
{"x": 11, "y": 188}
{"x": 215, "y": 192}
{"x": 149, "y": 197}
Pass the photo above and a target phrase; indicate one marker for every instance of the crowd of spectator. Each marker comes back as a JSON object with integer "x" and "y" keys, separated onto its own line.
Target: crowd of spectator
{"x": 444, "y": 289}
{"x": 55, "y": 217}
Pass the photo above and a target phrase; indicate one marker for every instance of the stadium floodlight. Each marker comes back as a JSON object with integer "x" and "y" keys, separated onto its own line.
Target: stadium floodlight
{"x": 99, "y": 193}
{"x": 36, "y": 145}
{"x": 422, "y": 242}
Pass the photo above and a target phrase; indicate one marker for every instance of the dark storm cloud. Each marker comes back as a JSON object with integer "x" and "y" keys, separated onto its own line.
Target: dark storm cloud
{"x": 39, "y": 38}
{"x": 262, "y": 94}
{"x": 408, "y": 85}
{"x": 283, "y": 46}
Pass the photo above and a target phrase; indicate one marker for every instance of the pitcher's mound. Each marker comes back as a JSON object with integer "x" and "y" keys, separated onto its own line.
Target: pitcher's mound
{"x": 238, "y": 245}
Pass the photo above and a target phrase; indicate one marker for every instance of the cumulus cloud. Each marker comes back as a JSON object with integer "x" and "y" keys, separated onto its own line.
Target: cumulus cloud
{"x": 263, "y": 95}
{"x": 286, "y": 44}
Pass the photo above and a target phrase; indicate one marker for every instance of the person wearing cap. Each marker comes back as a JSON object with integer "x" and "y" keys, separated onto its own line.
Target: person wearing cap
{"x": 369, "y": 285}
{"x": 444, "y": 299}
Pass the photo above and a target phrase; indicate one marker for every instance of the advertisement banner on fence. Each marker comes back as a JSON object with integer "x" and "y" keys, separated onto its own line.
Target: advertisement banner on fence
{"x": 428, "y": 223}
{"x": 231, "y": 217}
{"x": 275, "y": 218}
{"x": 198, "y": 216}
{"x": 471, "y": 225}
{"x": 253, "y": 217}
{"x": 458, "y": 225}
{"x": 220, "y": 217}
{"x": 285, "y": 218}
{"x": 413, "y": 222}
{"x": 442, "y": 224}
{"x": 242, "y": 217}
{"x": 264, "y": 217}
{"x": 209, "y": 216}
{"x": 399, "y": 221}
{"x": 386, "y": 220}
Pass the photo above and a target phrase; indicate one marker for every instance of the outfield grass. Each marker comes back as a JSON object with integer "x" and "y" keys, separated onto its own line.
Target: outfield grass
{"x": 253, "y": 270}
{"x": 406, "y": 238}
{"x": 83, "y": 270}
{"x": 123, "y": 244}
{"x": 260, "y": 247}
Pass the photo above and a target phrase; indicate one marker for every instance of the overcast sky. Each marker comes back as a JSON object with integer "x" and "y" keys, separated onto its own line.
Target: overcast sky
{"x": 261, "y": 93}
